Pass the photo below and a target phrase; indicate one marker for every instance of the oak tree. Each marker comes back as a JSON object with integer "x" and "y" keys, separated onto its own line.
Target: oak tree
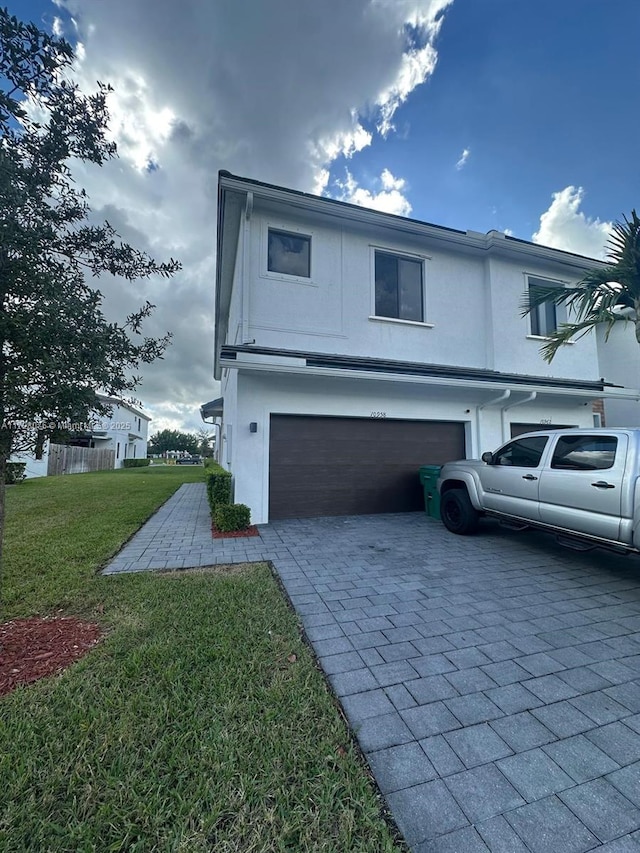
{"x": 57, "y": 348}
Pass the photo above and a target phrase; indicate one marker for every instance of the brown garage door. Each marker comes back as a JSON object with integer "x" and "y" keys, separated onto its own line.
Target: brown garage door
{"x": 348, "y": 466}
{"x": 519, "y": 429}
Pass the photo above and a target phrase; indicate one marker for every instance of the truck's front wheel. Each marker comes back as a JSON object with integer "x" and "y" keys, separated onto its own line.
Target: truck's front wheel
{"x": 457, "y": 512}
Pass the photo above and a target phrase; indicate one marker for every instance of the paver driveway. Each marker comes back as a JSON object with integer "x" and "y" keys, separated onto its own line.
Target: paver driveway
{"x": 493, "y": 682}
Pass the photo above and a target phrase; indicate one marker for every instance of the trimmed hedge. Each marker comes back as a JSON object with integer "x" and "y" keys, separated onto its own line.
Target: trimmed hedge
{"x": 15, "y": 473}
{"x": 135, "y": 463}
{"x": 218, "y": 486}
{"x": 228, "y": 517}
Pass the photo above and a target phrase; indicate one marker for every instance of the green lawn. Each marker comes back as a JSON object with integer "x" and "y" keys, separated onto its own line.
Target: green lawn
{"x": 200, "y": 723}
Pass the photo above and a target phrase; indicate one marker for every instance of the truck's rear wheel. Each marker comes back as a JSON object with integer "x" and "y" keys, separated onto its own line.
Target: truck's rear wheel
{"x": 457, "y": 512}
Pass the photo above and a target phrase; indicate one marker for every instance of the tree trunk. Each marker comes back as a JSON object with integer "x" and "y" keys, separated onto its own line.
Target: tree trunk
{"x": 4, "y": 456}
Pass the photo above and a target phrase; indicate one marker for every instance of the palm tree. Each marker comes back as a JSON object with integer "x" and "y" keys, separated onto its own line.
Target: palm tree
{"x": 607, "y": 294}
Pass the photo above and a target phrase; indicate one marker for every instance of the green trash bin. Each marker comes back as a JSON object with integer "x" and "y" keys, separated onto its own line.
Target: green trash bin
{"x": 429, "y": 478}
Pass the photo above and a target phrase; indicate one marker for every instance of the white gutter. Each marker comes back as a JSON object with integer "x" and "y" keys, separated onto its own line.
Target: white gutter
{"x": 504, "y": 396}
{"x": 244, "y": 273}
{"x": 528, "y": 399}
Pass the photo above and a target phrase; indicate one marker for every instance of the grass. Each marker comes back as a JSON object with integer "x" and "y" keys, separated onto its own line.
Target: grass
{"x": 200, "y": 723}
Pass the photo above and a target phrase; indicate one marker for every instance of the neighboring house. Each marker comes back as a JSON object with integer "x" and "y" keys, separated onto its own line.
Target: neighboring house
{"x": 354, "y": 345}
{"x": 125, "y": 431}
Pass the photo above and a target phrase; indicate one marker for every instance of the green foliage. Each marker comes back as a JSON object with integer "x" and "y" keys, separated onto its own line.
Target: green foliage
{"x": 206, "y": 441}
{"x": 172, "y": 439}
{"x": 57, "y": 345}
{"x": 15, "y": 473}
{"x": 228, "y": 517}
{"x": 135, "y": 463}
{"x": 607, "y": 294}
{"x": 218, "y": 482}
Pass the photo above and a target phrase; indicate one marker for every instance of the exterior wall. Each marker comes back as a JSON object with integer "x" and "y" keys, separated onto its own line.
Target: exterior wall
{"x": 472, "y": 316}
{"x": 258, "y": 395}
{"x": 620, "y": 363}
{"x": 34, "y": 467}
{"x": 331, "y": 312}
{"x": 515, "y": 349}
{"x": 125, "y": 432}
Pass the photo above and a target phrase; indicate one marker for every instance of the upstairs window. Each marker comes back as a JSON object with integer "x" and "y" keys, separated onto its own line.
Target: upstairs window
{"x": 399, "y": 287}
{"x": 544, "y": 318}
{"x": 289, "y": 254}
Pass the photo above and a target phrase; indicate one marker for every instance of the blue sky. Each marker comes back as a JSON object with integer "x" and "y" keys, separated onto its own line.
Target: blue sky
{"x": 541, "y": 94}
{"x": 334, "y": 96}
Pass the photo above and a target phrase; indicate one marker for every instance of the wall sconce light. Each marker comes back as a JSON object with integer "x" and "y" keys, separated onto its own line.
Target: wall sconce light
{"x": 253, "y": 426}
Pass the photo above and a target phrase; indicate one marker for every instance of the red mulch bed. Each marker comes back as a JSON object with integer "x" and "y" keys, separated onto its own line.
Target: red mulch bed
{"x": 252, "y": 530}
{"x": 39, "y": 646}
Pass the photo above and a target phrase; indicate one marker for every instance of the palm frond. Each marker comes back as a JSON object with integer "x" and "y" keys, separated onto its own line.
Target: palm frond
{"x": 624, "y": 252}
{"x": 570, "y": 332}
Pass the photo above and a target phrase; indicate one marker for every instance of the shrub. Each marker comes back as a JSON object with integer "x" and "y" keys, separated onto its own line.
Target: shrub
{"x": 218, "y": 486}
{"x": 229, "y": 517}
{"x": 15, "y": 473}
{"x": 135, "y": 463}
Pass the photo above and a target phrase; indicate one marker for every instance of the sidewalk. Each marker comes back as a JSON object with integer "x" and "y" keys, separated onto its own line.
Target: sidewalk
{"x": 178, "y": 536}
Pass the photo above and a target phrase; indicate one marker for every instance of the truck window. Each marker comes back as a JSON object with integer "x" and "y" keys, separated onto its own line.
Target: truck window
{"x": 523, "y": 453}
{"x": 585, "y": 452}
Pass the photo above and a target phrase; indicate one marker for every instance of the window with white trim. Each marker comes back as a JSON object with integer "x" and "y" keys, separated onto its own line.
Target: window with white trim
{"x": 399, "y": 287}
{"x": 544, "y": 318}
{"x": 288, "y": 253}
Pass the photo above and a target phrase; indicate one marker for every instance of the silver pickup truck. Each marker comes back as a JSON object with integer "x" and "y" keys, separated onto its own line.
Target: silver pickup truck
{"x": 581, "y": 484}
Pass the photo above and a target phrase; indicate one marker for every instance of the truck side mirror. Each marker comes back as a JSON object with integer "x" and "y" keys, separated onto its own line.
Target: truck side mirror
{"x": 487, "y": 457}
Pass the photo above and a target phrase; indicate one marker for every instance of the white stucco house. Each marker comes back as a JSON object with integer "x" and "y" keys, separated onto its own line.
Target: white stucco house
{"x": 354, "y": 346}
{"x": 125, "y": 431}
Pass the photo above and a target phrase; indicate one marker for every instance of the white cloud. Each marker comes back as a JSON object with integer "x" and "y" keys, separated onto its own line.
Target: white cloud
{"x": 463, "y": 159}
{"x": 417, "y": 63}
{"x": 565, "y": 226}
{"x": 389, "y": 199}
{"x": 346, "y": 144}
{"x": 277, "y": 91}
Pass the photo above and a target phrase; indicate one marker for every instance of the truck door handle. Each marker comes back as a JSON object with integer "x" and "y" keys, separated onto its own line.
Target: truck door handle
{"x": 602, "y": 485}
{"x": 528, "y": 477}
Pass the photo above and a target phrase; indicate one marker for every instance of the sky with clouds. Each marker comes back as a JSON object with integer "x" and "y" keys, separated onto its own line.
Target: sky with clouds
{"x": 474, "y": 114}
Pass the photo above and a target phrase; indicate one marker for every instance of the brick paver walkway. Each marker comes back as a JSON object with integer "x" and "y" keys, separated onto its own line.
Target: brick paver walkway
{"x": 493, "y": 682}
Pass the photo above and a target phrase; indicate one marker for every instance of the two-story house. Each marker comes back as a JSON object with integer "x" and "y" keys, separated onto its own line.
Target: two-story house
{"x": 125, "y": 431}
{"x": 354, "y": 346}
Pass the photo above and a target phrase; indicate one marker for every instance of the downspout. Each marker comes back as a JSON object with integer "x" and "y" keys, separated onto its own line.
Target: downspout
{"x": 246, "y": 245}
{"x": 504, "y": 396}
{"x": 528, "y": 399}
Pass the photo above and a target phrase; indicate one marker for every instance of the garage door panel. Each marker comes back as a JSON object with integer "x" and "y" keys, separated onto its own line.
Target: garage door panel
{"x": 345, "y": 466}
{"x": 520, "y": 429}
